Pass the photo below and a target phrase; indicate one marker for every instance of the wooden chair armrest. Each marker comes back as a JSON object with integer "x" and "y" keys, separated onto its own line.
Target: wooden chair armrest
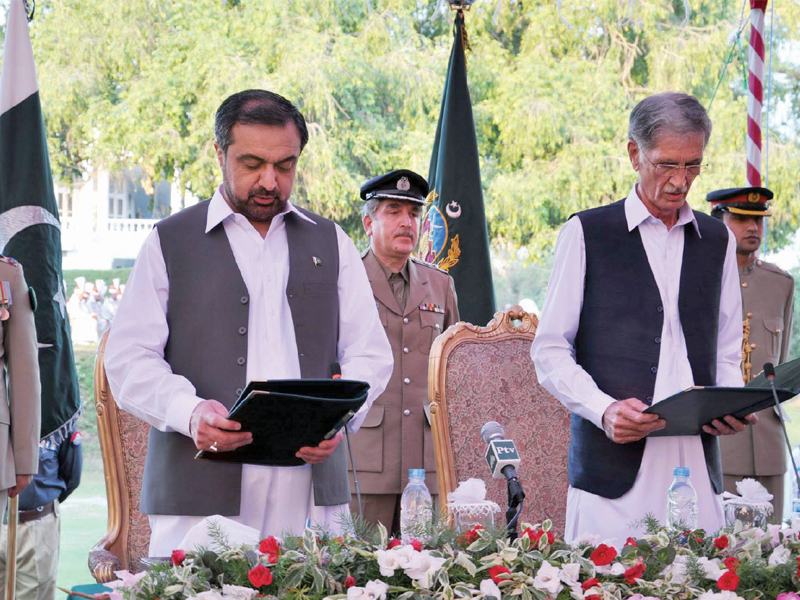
{"x": 102, "y": 565}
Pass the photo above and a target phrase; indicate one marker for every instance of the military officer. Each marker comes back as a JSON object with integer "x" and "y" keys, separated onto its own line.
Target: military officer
{"x": 767, "y": 301}
{"x": 20, "y": 388}
{"x": 416, "y": 302}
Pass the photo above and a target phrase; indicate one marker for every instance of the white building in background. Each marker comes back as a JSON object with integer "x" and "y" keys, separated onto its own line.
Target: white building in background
{"x": 106, "y": 217}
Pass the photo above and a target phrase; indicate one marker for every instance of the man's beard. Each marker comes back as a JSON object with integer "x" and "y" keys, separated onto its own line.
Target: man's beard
{"x": 250, "y": 208}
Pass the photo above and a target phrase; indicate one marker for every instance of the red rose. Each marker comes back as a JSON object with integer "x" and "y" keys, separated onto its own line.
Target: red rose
{"x": 350, "y": 581}
{"x": 271, "y": 547}
{"x": 178, "y": 556}
{"x": 496, "y": 571}
{"x": 470, "y": 535}
{"x": 416, "y": 545}
{"x": 259, "y": 576}
{"x": 634, "y": 573}
{"x": 728, "y": 581}
{"x": 590, "y": 583}
{"x": 550, "y": 537}
{"x": 721, "y": 542}
{"x": 732, "y": 563}
{"x": 536, "y": 535}
{"x": 631, "y": 542}
{"x": 603, "y": 555}
{"x": 393, "y": 543}
{"x": 592, "y": 597}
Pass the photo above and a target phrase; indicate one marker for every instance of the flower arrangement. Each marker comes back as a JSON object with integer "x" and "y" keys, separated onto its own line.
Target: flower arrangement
{"x": 737, "y": 563}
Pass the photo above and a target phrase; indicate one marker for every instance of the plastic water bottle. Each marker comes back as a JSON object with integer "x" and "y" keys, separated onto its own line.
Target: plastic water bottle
{"x": 681, "y": 501}
{"x": 416, "y": 508}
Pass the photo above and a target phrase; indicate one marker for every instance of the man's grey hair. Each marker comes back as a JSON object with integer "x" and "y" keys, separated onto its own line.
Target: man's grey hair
{"x": 669, "y": 113}
{"x": 369, "y": 207}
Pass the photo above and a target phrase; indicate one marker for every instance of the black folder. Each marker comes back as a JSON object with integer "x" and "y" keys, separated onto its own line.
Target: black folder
{"x": 686, "y": 412}
{"x": 286, "y": 414}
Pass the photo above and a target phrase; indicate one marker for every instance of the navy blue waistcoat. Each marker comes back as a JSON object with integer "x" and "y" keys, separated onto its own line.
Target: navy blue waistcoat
{"x": 619, "y": 336}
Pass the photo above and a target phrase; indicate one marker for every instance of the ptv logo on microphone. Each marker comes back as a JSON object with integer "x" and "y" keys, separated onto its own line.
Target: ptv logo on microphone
{"x": 503, "y": 452}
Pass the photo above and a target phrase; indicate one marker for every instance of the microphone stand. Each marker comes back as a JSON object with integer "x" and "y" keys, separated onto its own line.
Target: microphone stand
{"x": 769, "y": 372}
{"x": 516, "y": 496}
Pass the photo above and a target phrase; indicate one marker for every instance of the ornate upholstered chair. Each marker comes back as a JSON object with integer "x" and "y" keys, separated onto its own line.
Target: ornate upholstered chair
{"x": 123, "y": 441}
{"x": 480, "y": 374}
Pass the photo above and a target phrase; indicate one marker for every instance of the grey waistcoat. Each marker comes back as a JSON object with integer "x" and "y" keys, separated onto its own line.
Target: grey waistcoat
{"x": 207, "y": 314}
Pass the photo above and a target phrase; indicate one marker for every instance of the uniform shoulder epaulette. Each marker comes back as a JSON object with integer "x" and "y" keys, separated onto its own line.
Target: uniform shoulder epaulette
{"x": 9, "y": 260}
{"x": 773, "y": 268}
{"x": 422, "y": 263}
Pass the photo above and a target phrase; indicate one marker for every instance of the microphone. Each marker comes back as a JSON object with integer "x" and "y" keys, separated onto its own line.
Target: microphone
{"x": 501, "y": 455}
{"x": 503, "y": 460}
{"x": 769, "y": 373}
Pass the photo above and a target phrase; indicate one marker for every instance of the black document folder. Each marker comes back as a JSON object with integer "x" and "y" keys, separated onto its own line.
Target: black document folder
{"x": 686, "y": 412}
{"x": 285, "y": 415}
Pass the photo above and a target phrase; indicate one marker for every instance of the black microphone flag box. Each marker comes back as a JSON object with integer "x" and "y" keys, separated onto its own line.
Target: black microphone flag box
{"x": 500, "y": 454}
{"x": 686, "y": 412}
{"x": 285, "y": 415}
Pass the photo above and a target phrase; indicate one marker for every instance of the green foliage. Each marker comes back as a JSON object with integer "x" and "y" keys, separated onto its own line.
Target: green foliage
{"x": 138, "y": 82}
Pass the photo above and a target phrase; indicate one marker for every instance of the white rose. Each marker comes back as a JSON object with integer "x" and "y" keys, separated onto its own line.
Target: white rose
{"x": 723, "y": 595}
{"x": 237, "y": 592}
{"x": 489, "y": 588}
{"x": 209, "y": 595}
{"x": 780, "y": 556}
{"x": 711, "y": 567}
{"x": 374, "y": 590}
{"x": 396, "y": 558}
{"x": 677, "y": 570}
{"x": 570, "y": 573}
{"x": 548, "y": 578}
{"x": 616, "y": 568}
{"x": 423, "y": 566}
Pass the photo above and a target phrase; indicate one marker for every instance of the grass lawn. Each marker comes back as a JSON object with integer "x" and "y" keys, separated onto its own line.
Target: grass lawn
{"x": 84, "y": 514}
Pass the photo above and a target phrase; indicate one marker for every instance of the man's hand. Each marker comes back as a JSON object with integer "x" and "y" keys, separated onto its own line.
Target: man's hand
{"x": 624, "y": 421}
{"x": 22, "y": 483}
{"x": 319, "y": 453}
{"x": 729, "y": 425}
{"x": 208, "y": 425}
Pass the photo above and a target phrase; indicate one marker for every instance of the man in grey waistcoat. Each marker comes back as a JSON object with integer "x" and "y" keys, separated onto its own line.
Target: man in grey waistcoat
{"x": 245, "y": 286}
{"x": 643, "y": 302}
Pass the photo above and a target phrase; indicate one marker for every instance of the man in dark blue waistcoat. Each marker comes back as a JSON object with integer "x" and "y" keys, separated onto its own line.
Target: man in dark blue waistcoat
{"x": 643, "y": 302}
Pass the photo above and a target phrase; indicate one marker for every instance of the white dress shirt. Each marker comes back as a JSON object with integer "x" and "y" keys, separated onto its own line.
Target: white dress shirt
{"x": 275, "y": 500}
{"x": 553, "y": 354}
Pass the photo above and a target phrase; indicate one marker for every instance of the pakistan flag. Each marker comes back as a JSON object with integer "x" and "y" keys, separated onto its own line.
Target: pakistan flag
{"x": 30, "y": 231}
{"x": 454, "y": 234}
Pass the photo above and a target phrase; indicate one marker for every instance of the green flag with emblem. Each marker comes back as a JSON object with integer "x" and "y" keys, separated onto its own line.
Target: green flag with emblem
{"x": 454, "y": 231}
{"x": 30, "y": 231}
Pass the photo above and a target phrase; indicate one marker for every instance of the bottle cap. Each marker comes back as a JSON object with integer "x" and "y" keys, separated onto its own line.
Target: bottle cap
{"x": 681, "y": 472}
{"x": 416, "y": 473}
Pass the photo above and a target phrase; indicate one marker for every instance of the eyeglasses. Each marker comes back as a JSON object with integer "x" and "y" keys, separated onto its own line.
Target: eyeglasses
{"x": 670, "y": 169}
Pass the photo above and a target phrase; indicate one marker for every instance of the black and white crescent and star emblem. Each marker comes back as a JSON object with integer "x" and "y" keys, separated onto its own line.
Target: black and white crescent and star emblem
{"x": 453, "y": 210}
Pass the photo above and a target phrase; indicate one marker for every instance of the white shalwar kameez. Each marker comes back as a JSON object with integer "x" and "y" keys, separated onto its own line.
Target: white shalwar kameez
{"x": 275, "y": 500}
{"x": 613, "y": 520}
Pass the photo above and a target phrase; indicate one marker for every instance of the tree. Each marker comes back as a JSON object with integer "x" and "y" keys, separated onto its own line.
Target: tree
{"x": 137, "y": 83}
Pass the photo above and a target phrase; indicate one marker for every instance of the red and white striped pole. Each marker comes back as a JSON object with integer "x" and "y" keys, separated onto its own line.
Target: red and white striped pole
{"x": 755, "y": 96}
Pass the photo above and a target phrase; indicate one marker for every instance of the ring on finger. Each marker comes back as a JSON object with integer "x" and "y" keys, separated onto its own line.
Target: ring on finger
{"x": 213, "y": 447}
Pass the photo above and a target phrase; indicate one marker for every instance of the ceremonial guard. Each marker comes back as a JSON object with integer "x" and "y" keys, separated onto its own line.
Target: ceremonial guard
{"x": 767, "y": 301}
{"x": 416, "y": 301}
{"x": 20, "y": 388}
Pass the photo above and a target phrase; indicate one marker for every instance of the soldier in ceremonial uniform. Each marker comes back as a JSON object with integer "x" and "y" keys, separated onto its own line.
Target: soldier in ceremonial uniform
{"x": 767, "y": 301}
{"x": 20, "y": 388}
{"x": 416, "y": 302}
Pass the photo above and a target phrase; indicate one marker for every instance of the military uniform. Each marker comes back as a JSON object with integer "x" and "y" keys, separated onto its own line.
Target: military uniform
{"x": 415, "y": 306}
{"x": 759, "y": 451}
{"x": 20, "y": 397}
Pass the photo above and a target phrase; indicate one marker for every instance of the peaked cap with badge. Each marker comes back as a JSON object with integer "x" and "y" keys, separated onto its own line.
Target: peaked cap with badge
{"x": 752, "y": 201}
{"x": 396, "y": 185}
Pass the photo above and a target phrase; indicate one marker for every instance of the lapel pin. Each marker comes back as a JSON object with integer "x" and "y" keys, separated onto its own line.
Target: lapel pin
{"x": 317, "y": 261}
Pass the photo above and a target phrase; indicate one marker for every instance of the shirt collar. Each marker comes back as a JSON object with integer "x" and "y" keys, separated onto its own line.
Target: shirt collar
{"x": 636, "y": 213}
{"x": 219, "y": 210}
{"x": 388, "y": 272}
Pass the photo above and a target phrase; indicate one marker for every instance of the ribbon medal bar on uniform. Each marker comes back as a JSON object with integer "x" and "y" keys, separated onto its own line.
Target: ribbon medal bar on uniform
{"x": 5, "y": 300}
{"x": 432, "y": 308}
